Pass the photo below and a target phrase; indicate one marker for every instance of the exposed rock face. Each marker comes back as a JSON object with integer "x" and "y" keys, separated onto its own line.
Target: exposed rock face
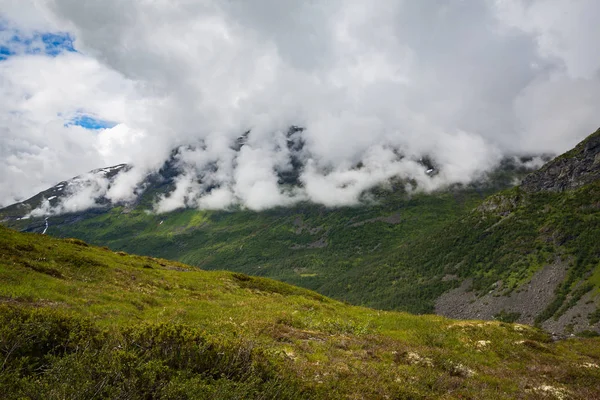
{"x": 573, "y": 169}
{"x": 526, "y": 302}
{"x": 576, "y": 319}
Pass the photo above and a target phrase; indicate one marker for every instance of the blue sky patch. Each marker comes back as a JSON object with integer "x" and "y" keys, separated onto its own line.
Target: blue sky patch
{"x": 87, "y": 122}
{"x": 5, "y": 52}
{"x": 14, "y": 42}
{"x": 56, "y": 43}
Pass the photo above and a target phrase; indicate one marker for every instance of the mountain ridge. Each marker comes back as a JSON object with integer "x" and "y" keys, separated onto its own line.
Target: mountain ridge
{"x": 160, "y": 184}
{"x": 573, "y": 169}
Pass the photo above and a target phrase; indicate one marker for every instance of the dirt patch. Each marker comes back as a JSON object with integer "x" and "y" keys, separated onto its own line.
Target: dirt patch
{"x": 33, "y": 303}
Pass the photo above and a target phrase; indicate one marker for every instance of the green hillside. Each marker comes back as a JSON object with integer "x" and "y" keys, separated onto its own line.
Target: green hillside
{"x": 84, "y": 322}
{"x": 307, "y": 245}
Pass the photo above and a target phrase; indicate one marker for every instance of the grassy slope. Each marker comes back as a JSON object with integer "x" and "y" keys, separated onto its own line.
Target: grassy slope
{"x": 159, "y": 328}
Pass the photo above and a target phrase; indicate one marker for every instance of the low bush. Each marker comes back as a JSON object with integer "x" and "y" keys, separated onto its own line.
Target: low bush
{"x": 49, "y": 354}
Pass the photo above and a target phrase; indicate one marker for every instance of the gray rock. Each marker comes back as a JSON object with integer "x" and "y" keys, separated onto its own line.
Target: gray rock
{"x": 572, "y": 170}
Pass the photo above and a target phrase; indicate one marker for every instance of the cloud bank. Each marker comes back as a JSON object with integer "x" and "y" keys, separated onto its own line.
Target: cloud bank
{"x": 463, "y": 83}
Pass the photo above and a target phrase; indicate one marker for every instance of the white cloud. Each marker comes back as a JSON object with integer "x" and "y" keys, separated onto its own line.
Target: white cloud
{"x": 462, "y": 82}
{"x": 38, "y": 96}
{"x": 562, "y": 30}
{"x": 82, "y": 193}
{"x": 182, "y": 196}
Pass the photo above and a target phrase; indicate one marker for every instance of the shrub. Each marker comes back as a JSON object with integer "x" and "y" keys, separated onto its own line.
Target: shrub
{"x": 49, "y": 354}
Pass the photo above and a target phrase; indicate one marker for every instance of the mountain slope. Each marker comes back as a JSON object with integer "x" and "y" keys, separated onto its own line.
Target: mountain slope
{"x": 576, "y": 168}
{"x": 79, "y": 321}
{"x": 307, "y": 245}
{"x": 53, "y": 196}
{"x": 528, "y": 254}
{"x": 531, "y": 253}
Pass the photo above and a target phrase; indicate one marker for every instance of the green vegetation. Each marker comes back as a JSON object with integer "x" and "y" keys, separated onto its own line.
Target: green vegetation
{"x": 78, "y": 321}
{"x": 513, "y": 234}
{"x": 401, "y": 253}
{"x": 337, "y": 252}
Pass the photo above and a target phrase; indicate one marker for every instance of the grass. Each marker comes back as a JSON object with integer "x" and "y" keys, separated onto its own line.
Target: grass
{"x": 78, "y": 320}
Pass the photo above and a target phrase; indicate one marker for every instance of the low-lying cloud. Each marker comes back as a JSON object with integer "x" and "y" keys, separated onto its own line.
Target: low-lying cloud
{"x": 378, "y": 84}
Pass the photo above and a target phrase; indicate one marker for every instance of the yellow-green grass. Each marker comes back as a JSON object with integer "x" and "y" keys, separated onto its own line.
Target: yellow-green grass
{"x": 328, "y": 348}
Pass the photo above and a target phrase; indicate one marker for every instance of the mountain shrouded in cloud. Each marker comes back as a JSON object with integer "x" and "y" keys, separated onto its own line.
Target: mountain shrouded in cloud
{"x": 376, "y": 86}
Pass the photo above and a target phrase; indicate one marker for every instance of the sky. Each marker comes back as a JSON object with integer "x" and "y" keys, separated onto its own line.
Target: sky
{"x": 87, "y": 84}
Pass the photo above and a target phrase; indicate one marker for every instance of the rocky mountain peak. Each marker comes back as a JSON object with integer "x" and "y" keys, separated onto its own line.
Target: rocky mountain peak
{"x": 575, "y": 168}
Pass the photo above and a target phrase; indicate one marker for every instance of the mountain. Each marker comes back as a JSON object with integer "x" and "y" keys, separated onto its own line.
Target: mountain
{"x": 94, "y": 185}
{"x": 530, "y": 254}
{"x": 574, "y": 169}
{"x": 486, "y": 250}
{"x": 79, "y": 321}
{"x": 61, "y": 191}
{"x": 320, "y": 248}
{"x": 90, "y": 192}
